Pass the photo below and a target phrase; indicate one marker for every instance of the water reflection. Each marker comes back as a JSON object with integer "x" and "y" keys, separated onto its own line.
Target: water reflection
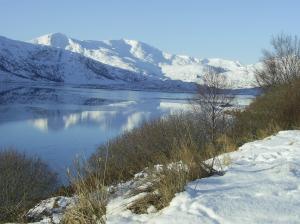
{"x": 134, "y": 120}
{"x": 59, "y": 131}
{"x": 174, "y": 107}
{"x": 41, "y": 124}
{"x": 103, "y": 119}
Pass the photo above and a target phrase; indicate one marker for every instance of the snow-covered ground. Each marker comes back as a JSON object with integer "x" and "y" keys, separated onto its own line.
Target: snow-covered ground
{"x": 261, "y": 185}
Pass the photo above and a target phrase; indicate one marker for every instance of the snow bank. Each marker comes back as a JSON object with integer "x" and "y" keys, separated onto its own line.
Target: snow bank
{"x": 261, "y": 185}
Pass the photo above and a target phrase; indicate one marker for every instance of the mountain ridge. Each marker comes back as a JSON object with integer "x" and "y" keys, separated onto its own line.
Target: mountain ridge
{"x": 22, "y": 61}
{"x": 142, "y": 58}
{"x": 123, "y": 63}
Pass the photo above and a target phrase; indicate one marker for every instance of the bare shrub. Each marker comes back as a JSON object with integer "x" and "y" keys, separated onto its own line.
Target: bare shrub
{"x": 24, "y": 181}
{"x": 152, "y": 143}
{"x": 281, "y": 65}
{"x": 210, "y": 103}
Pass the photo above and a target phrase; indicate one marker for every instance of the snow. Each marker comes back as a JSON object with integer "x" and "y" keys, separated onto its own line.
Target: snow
{"x": 140, "y": 57}
{"x": 124, "y": 64}
{"x": 27, "y": 62}
{"x": 261, "y": 185}
{"x": 57, "y": 39}
{"x": 55, "y": 206}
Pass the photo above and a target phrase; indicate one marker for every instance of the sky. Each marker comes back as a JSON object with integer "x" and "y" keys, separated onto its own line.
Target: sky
{"x": 229, "y": 29}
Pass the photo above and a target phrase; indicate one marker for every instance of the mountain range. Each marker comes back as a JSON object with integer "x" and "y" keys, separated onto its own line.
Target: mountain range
{"x": 57, "y": 58}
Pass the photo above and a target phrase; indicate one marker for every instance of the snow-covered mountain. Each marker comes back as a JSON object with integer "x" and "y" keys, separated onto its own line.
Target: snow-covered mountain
{"x": 142, "y": 58}
{"x": 116, "y": 63}
{"x": 21, "y": 61}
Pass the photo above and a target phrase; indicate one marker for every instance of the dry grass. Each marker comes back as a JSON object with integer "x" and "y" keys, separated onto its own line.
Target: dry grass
{"x": 163, "y": 189}
{"x": 90, "y": 208}
{"x": 91, "y": 196}
{"x": 277, "y": 109}
{"x": 24, "y": 181}
{"x": 152, "y": 143}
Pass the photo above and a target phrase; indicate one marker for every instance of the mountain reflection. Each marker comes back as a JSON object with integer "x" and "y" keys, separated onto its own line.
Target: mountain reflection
{"x": 41, "y": 124}
{"x": 125, "y": 118}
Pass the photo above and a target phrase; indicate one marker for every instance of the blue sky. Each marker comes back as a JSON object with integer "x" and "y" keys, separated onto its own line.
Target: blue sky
{"x": 230, "y": 29}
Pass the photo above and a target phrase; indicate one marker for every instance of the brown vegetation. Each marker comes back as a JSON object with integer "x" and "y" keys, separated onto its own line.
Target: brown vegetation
{"x": 153, "y": 143}
{"x": 91, "y": 196}
{"x": 277, "y": 109}
{"x": 24, "y": 181}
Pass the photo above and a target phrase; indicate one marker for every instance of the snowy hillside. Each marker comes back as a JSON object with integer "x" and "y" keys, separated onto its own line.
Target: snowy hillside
{"x": 141, "y": 58}
{"x": 261, "y": 184}
{"x": 20, "y": 61}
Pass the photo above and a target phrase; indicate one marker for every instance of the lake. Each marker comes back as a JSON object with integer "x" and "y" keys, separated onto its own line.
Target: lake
{"x": 60, "y": 123}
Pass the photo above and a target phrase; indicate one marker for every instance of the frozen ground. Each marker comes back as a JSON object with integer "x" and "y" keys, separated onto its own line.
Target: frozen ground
{"x": 261, "y": 185}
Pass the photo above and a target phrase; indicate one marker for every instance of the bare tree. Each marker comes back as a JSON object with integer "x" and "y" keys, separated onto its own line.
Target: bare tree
{"x": 210, "y": 102}
{"x": 282, "y": 64}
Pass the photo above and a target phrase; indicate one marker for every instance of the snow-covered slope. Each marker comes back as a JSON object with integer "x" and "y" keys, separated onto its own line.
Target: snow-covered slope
{"x": 261, "y": 184}
{"x": 20, "y": 61}
{"x": 142, "y": 58}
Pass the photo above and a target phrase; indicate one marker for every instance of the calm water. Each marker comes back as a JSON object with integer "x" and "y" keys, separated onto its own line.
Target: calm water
{"x": 57, "y": 132}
